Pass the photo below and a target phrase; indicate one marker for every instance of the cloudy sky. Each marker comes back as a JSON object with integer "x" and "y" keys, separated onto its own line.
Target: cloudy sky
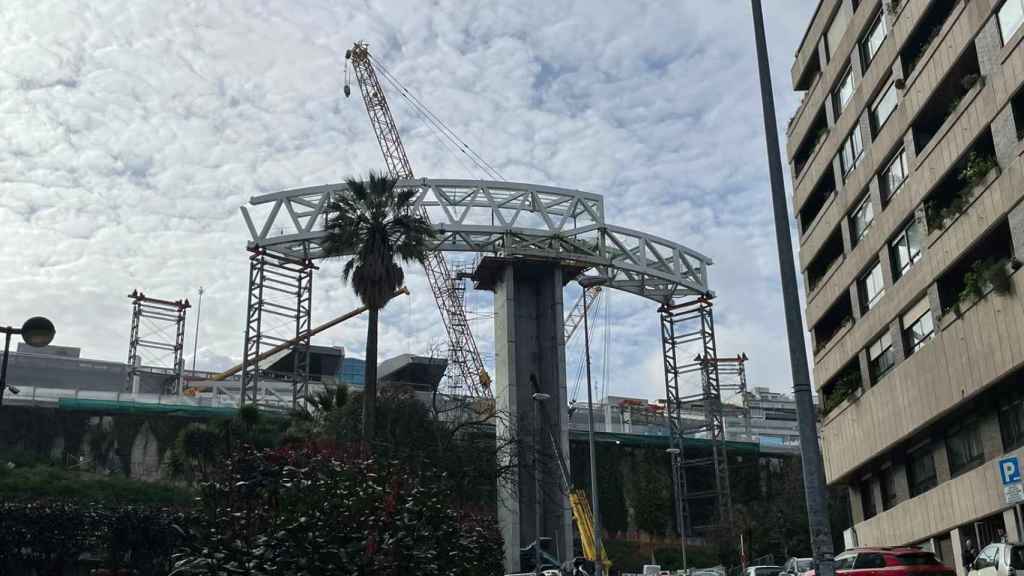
{"x": 132, "y": 131}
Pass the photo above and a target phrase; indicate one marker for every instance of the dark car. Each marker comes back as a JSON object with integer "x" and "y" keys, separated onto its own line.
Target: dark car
{"x": 889, "y": 562}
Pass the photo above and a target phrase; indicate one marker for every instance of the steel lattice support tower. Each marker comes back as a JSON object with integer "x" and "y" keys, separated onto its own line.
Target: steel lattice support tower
{"x": 281, "y": 290}
{"x": 162, "y": 315}
{"x": 688, "y": 348}
{"x": 733, "y": 373}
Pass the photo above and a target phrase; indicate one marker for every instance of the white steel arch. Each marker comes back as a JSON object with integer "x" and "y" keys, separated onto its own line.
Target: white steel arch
{"x": 505, "y": 219}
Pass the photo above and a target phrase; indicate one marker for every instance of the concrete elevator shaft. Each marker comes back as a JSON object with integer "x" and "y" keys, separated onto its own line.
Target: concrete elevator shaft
{"x": 530, "y": 358}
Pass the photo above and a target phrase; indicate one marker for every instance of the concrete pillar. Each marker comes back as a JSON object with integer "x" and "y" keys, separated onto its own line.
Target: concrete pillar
{"x": 990, "y": 435}
{"x": 856, "y": 506}
{"x": 941, "y": 459}
{"x": 865, "y": 369}
{"x": 529, "y": 358}
{"x": 958, "y": 551}
{"x": 899, "y": 347}
{"x": 1016, "y": 221}
{"x": 1013, "y": 529}
{"x": 899, "y": 472}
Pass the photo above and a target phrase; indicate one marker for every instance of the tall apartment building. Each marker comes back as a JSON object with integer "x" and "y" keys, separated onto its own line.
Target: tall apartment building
{"x": 907, "y": 178}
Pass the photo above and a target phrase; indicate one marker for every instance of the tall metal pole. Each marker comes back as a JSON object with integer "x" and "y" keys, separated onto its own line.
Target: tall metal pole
{"x": 195, "y": 345}
{"x": 3, "y": 371}
{"x": 599, "y": 560}
{"x": 537, "y": 508}
{"x": 810, "y": 454}
{"x": 680, "y": 516}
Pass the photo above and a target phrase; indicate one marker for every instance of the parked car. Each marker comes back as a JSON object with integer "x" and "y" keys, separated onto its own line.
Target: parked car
{"x": 1002, "y": 559}
{"x": 798, "y": 566}
{"x": 763, "y": 571}
{"x": 889, "y": 562}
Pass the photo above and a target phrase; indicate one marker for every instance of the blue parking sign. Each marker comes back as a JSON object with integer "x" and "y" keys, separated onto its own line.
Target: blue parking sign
{"x": 1009, "y": 470}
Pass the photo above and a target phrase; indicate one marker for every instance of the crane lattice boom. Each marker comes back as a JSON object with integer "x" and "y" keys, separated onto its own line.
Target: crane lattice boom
{"x": 463, "y": 352}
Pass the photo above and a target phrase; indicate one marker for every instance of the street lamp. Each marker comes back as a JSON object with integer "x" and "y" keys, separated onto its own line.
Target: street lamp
{"x": 538, "y": 398}
{"x": 588, "y": 282}
{"x": 810, "y": 454}
{"x": 36, "y": 331}
{"x": 680, "y": 516}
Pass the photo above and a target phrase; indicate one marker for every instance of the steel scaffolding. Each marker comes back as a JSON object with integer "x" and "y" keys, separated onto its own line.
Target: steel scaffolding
{"x": 279, "y": 309}
{"x": 688, "y": 347}
{"x": 733, "y": 373}
{"x": 157, "y": 325}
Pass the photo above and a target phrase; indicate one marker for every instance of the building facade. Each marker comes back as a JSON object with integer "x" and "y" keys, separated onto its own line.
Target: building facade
{"x": 907, "y": 178}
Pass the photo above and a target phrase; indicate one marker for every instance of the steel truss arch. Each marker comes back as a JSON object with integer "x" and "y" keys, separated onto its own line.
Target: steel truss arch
{"x": 502, "y": 218}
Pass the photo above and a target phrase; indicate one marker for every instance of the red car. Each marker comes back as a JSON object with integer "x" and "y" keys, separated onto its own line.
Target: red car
{"x": 889, "y": 562}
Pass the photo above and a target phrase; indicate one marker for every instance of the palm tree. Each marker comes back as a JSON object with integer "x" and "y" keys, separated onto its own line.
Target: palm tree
{"x": 375, "y": 225}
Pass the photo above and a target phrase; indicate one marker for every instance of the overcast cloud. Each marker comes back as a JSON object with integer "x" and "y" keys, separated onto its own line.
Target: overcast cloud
{"x": 132, "y": 131}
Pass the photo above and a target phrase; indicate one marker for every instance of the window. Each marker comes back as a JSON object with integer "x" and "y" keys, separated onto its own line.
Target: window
{"x": 853, "y": 149}
{"x": 1011, "y": 14}
{"x": 861, "y": 219}
{"x": 843, "y": 92}
{"x": 871, "y": 288}
{"x": 963, "y": 446}
{"x": 888, "y": 482}
{"x": 869, "y": 560}
{"x": 867, "y": 500}
{"x": 873, "y": 40}
{"x": 1011, "y": 422}
{"x": 917, "y": 325}
{"x": 905, "y": 249}
{"x": 894, "y": 174}
{"x": 881, "y": 357}
{"x": 882, "y": 107}
{"x": 917, "y": 559}
{"x": 845, "y": 562}
{"x": 921, "y": 470}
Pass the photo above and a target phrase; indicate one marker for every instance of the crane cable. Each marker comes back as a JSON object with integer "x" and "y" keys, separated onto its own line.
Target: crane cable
{"x": 437, "y": 123}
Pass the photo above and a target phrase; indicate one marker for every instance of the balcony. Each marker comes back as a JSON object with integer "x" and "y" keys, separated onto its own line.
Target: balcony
{"x": 846, "y": 386}
{"x": 823, "y": 191}
{"x": 812, "y": 141}
{"x": 924, "y": 35}
{"x": 827, "y": 258}
{"x": 961, "y": 82}
{"x": 984, "y": 269}
{"x": 967, "y": 178}
{"x": 836, "y": 319}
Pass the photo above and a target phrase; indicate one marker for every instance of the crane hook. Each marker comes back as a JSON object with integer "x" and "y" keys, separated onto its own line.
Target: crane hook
{"x": 348, "y": 91}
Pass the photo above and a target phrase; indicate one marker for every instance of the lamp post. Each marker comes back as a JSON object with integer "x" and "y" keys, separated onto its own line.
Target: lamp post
{"x": 680, "y": 517}
{"x": 588, "y": 282}
{"x": 195, "y": 344}
{"x": 538, "y": 398}
{"x": 36, "y": 331}
{"x": 810, "y": 454}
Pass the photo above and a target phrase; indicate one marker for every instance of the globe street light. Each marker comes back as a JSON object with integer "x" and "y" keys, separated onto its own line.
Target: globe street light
{"x": 36, "y": 331}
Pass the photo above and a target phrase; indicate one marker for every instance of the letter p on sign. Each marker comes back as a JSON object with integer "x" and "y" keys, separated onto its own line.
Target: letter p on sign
{"x": 1009, "y": 470}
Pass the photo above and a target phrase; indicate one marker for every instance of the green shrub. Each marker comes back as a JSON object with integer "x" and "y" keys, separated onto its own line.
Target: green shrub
{"x": 40, "y": 483}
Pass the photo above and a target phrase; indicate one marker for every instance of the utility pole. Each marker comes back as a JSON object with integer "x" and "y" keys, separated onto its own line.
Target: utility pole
{"x": 195, "y": 344}
{"x": 810, "y": 454}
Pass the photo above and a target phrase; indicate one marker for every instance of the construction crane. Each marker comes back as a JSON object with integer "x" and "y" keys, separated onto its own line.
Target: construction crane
{"x": 463, "y": 353}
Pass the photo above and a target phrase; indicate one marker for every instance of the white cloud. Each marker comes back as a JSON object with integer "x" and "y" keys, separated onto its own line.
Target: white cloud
{"x": 131, "y": 132}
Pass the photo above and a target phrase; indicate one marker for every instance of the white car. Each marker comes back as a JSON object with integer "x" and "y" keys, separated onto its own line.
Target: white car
{"x": 1002, "y": 559}
{"x": 763, "y": 571}
{"x": 798, "y": 566}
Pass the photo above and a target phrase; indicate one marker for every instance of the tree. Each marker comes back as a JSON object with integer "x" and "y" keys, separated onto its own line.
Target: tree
{"x": 375, "y": 224}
